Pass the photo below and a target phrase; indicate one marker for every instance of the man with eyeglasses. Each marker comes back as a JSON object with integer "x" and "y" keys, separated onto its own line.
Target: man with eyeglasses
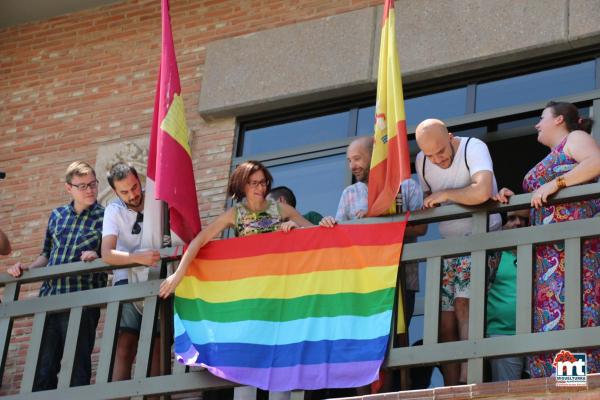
{"x": 121, "y": 245}
{"x": 454, "y": 170}
{"x": 74, "y": 233}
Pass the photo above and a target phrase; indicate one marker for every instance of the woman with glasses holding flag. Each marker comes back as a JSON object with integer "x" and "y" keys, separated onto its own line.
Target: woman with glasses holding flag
{"x": 252, "y": 214}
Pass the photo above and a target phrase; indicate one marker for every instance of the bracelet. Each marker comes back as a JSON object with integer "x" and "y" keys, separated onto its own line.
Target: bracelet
{"x": 560, "y": 182}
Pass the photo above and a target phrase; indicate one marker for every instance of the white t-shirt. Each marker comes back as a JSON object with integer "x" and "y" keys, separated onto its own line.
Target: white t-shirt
{"x": 458, "y": 176}
{"x": 119, "y": 221}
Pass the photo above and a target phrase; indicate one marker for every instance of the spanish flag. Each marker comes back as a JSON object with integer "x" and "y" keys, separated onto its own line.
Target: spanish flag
{"x": 307, "y": 309}
{"x": 170, "y": 175}
{"x": 390, "y": 162}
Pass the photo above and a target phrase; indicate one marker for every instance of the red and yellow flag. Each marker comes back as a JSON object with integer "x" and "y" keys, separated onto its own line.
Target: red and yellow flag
{"x": 390, "y": 162}
{"x": 170, "y": 171}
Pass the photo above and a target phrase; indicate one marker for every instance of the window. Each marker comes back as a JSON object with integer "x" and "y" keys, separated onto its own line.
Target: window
{"x": 316, "y": 182}
{"x": 440, "y": 105}
{"x": 306, "y": 151}
{"x": 539, "y": 86}
{"x": 294, "y": 134}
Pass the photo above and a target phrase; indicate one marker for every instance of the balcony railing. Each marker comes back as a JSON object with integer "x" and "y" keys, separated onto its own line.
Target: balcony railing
{"x": 176, "y": 378}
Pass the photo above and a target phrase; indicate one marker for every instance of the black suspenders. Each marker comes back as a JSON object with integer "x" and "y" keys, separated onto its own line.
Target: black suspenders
{"x": 466, "y": 163}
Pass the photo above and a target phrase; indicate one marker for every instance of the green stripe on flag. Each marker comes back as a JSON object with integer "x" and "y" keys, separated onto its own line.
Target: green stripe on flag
{"x": 357, "y": 304}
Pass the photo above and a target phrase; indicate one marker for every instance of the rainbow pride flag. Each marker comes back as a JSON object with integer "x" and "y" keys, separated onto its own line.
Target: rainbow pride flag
{"x": 308, "y": 309}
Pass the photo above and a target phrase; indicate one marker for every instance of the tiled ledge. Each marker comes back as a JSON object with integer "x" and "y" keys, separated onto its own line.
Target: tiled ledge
{"x": 538, "y": 388}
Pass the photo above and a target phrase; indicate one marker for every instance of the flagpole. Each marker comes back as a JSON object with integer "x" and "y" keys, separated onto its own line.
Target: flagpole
{"x": 166, "y": 307}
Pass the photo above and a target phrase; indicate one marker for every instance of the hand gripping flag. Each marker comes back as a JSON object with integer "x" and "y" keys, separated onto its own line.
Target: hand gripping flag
{"x": 390, "y": 162}
{"x": 170, "y": 170}
{"x": 308, "y": 309}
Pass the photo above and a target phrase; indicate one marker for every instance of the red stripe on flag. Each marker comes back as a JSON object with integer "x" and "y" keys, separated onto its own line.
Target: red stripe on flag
{"x": 178, "y": 188}
{"x": 385, "y": 178}
{"x": 309, "y": 239}
{"x": 386, "y": 10}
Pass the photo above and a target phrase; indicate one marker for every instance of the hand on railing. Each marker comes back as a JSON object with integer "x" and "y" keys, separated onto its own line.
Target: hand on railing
{"x": 147, "y": 257}
{"x": 16, "y": 270}
{"x": 435, "y": 199}
{"x": 540, "y": 196}
{"x": 327, "y": 222}
{"x": 288, "y": 226}
{"x": 503, "y": 195}
{"x": 88, "y": 255}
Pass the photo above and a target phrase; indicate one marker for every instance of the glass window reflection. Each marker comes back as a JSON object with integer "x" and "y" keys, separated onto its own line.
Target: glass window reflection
{"x": 531, "y": 121}
{"x": 538, "y": 86}
{"x": 295, "y": 134}
{"x": 450, "y": 103}
{"x": 317, "y": 183}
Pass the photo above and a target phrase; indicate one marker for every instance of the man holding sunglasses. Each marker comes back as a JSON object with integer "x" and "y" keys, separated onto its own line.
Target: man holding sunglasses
{"x": 121, "y": 245}
{"x": 74, "y": 233}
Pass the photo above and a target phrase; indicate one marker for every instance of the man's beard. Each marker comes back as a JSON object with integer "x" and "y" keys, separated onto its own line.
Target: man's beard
{"x": 363, "y": 177}
{"x": 135, "y": 205}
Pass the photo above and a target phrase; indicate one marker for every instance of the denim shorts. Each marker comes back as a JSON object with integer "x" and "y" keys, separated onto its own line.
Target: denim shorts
{"x": 131, "y": 318}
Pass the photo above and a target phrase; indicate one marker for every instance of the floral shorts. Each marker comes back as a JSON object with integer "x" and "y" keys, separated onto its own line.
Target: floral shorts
{"x": 456, "y": 276}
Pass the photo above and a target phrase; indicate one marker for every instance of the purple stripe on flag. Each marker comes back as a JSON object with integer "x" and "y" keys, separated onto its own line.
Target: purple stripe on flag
{"x": 308, "y": 377}
{"x": 188, "y": 357}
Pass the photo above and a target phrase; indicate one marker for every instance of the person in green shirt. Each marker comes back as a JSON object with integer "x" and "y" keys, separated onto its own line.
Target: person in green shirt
{"x": 502, "y": 302}
{"x": 284, "y": 194}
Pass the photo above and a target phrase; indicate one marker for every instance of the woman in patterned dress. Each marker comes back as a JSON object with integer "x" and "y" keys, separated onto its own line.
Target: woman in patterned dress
{"x": 574, "y": 159}
{"x": 252, "y": 214}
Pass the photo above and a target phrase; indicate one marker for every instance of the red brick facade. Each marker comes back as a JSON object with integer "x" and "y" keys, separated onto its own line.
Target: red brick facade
{"x": 75, "y": 82}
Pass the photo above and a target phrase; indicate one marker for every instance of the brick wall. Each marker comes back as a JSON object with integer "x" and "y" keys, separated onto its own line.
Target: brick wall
{"x": 73, "y": 83}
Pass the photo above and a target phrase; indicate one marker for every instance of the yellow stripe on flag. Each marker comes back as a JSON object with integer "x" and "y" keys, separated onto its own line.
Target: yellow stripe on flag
{"x": 365, "y": 280}
{"x": 175, "y": 124}
{"x": 389, "y": 108}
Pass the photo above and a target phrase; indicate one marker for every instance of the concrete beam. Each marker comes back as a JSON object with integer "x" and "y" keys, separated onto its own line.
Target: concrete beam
{"x": 337, "y": 56}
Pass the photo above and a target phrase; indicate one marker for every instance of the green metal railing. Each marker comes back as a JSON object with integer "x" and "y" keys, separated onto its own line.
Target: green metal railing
{"x": 176, "y": 378}
{"x": 477, "y": 347}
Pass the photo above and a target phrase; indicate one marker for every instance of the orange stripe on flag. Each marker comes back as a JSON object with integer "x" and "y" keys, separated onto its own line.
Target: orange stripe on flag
{"x": 292, "y": 263}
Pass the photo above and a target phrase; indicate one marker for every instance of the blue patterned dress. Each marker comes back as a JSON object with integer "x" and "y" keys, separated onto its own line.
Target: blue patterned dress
{"x": 549, "y": 275}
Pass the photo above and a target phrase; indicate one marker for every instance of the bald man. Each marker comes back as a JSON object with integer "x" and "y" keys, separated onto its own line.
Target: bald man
{"x": 454, "y": 170}
{"x": 354, "y": 200}
{"x": 354, "y": 204}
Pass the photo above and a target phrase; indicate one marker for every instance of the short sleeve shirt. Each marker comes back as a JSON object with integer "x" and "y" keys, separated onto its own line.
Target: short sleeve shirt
{"x": 356, "y": 198}
{"x": 119, "y": 221}
{"x": 458, "y": 176}
{"x": 68, "y": 235}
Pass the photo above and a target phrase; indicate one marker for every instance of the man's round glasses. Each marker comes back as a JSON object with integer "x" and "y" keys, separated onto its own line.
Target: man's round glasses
{"x": 84, "y": 186}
